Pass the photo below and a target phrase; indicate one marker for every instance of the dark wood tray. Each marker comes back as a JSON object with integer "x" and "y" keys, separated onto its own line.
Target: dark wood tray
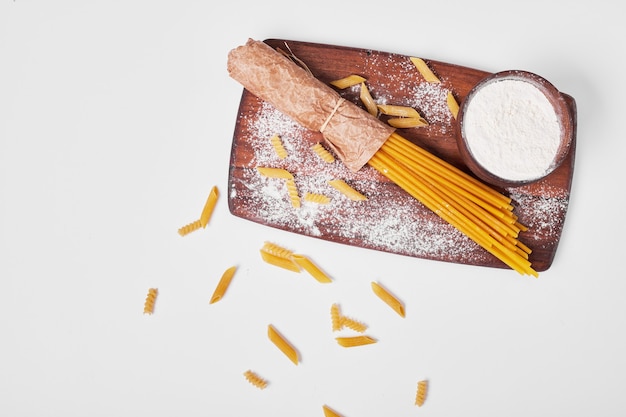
{"x": 390, "y": 220}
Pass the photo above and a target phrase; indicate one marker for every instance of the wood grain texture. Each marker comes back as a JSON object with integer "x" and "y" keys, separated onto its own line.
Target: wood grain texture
{"x": 542, "y": 206}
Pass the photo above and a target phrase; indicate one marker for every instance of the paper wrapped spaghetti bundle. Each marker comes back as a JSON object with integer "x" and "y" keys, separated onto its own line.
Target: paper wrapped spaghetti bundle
{"x": 354, "y": 135}
{"x": 359, "y": 138}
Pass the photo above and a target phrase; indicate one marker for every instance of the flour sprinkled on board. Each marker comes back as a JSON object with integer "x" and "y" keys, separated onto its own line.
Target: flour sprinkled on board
{"x": 542, "y": 211}
{"x": 429, "y": 99}
{"x": 383, "y": 222}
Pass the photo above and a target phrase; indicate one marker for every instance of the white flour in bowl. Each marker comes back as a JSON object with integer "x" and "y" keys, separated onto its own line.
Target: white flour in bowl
{"x": 512, "y": 130}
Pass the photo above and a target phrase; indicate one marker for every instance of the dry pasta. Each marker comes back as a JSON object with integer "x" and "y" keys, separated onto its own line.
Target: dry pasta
{"x": 290, "y": 183}
{"x": 339, "y": 321}
{"x": 355, "y": 325}
{"x": 275, "y": 173}
{"x": 347, "y": 190}
{"x": 205, "y": 215}
{"x": 316, "y": 198}
{"x": 191, "y": 227}
{"x": 323, "y": 153}
{"x": 279, "y": 256}
{"x": 148, "y": 306}
{"x": 329, "y": 412}
{"x": 308, "y": 265}
{"x": 292, "y": 190}
{"x": 255, "y": 379}
{"x": 277, "y": 144}
{"x": 282, "y": 344}
{"x": 420, "y": 396}
{"x": 335, "y": 317}
{"x": 223, "y": 284}
{"x": 352, "y": 341}
{"x": 478, "y": 211}
{"x": 280, "y": 262}
{"x": 209, "y": 206}
{"x": 348, "y": 81}
{"x": 452, "y": 104}
{"x": 368, "y": 100}
{"x": 398, "y": 111}
{"x": 407, "y": 122}
{"x": 423, "y": 69}
{"x": 277, "y": 250}
{"x": 390, "y": 299}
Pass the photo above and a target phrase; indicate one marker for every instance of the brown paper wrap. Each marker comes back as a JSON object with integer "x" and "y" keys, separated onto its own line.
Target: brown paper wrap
{"x": 353, "y": 134}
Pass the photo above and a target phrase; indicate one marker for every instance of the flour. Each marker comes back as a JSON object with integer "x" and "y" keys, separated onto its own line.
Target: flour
{"x": 512, "y": 130}
{"x": 387, "y": 221}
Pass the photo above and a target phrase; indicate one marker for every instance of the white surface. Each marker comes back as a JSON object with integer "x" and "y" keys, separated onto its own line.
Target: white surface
{"x": 116, "y": 119}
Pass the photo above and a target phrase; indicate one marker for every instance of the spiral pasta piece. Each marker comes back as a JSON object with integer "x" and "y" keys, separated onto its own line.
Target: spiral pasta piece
{"x": 191, "y": 227}
{"x": 355, "y": 325}
{"x": 420, "y": 396}
{"x": 279, "y": 256}
{"x": 277, "y": 250}
{"x": 339, "y": 321}
{"x": 277, "y": 144}
{"x": 148, "y": 307}
{"x": 316, "y": 198}
{"x": 335, "y": 317}
{"x": 323, "y": 153}
{"x": 292, "y": 190}
{"x": 255, "y": 379}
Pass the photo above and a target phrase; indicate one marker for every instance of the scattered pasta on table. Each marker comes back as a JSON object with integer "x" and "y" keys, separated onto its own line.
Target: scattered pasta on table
{"x": 205, "y": 215}
{"x": 329, "y": 412}
{"x": 420, "y": 396}
{"x": 283, "y": 344}
{"x": 390, "y": 299}
{"x": 148, "y": 306}
{"x": 223, "y": 284}
{"x": 352, "y": 341}
{"x": 276, "y": 255}
{"x": 255, "y": 379}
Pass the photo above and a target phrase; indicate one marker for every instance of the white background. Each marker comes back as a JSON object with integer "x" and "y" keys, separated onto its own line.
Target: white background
{"x": 116, "y": 119}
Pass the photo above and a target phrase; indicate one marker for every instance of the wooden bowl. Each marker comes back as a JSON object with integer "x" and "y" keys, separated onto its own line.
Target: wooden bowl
{"x": 499, "y": 134}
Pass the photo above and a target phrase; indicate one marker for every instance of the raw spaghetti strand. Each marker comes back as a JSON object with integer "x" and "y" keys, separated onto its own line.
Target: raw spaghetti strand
{"x": 417, "y": 188}
{"x": 408, "y": 157}
{"x": 448, "y": 170}
{"x": 444, "y": 186}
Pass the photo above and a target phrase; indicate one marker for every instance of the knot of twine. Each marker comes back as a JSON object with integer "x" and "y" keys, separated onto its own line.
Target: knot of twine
{"x": 330, "y": 116}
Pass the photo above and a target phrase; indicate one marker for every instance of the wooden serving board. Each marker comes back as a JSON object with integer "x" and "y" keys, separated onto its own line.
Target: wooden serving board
{"x": 389, "y": 220}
